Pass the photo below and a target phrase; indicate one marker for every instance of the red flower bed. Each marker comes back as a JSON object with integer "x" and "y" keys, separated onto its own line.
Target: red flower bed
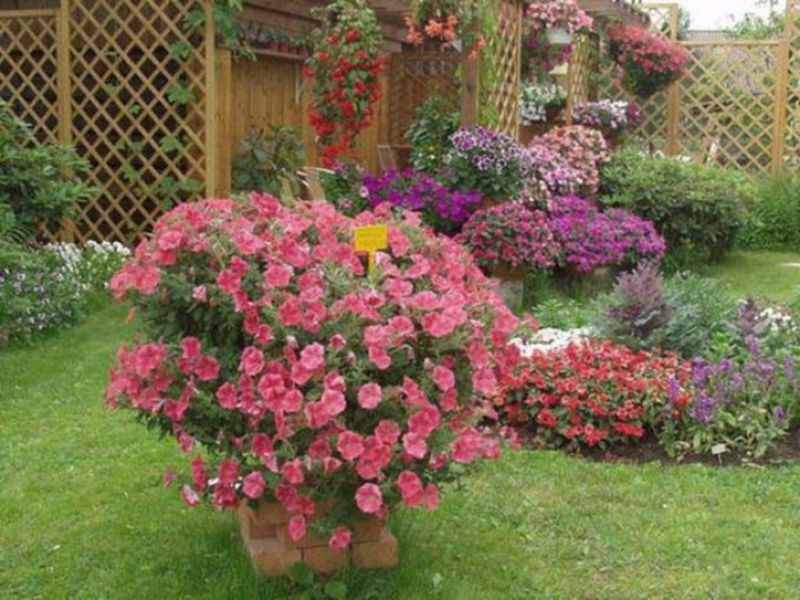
{"x": 593, "y": 394}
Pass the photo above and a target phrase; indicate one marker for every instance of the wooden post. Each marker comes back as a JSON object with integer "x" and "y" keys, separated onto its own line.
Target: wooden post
{"x": 64, "y": 92}
{"x": 781, "y": 103}
{"x": 212, "y": 137}
{"x": 470, "y": 92}
{"x": 224, "y": 142}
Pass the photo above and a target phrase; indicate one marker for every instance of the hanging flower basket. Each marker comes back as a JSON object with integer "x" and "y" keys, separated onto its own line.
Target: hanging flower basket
{"x": 559, "y": 36}
{"x": 649, "y": 62}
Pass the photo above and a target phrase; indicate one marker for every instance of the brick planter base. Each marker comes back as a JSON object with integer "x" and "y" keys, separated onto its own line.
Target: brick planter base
{"x": 274, "y": 553}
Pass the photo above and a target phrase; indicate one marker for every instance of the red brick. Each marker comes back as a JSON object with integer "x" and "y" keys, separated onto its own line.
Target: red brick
{"x": 272, "y": 557}
{"x": 325, "y": 560}
{"x": 310, "y": 541}
{"x": 376, "y": 555}
{"x": 369, "y": 530}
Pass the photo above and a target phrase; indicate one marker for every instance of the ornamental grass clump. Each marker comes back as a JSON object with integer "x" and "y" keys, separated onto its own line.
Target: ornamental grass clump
{"x": 304, "y": 379}
{"x": 512, "y": 236}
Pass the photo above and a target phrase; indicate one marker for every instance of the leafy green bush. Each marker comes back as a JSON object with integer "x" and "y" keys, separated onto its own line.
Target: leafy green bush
{"x": 435, "y": 122}
{"x": 264, "y": 160}
{"x": 774, "y": 221}
{"x": 344, "y": 188}
{"x": 51, "y": 287}
{"x": 39, "y": 183}
{"x": 699, "y": 209}
{"x": 686, "y": 314}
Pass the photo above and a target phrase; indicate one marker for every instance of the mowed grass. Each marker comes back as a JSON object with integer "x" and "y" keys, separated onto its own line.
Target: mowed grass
{"x": 762, "y": 275}
{"x": 83, "y": 513}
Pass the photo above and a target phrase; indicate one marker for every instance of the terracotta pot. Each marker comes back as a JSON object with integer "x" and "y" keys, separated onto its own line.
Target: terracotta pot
{"x": 506, "y": 272}
{"x": 266, "y": 538}
{"x": 528, "y": 132}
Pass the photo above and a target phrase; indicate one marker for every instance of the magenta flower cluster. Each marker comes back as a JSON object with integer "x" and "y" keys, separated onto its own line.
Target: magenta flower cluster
{"x": 590, "y": 238}
{"x": 511, "y": 234}
{"x": 442, "y": 208}
{"x": 551, "y": 174}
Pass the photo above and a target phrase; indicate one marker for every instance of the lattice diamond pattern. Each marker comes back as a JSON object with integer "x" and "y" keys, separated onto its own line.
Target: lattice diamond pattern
{"x": 505, "y": 49}
{"x": 662, "y": 17}
{"x": 793, "y": 116}
{"x": 121, "y": 73}
{"x": 582, "y": 69}
{"x": 29, "y": 72}
{"x": 414, "y": 77}
{"x": 728, "y": 99}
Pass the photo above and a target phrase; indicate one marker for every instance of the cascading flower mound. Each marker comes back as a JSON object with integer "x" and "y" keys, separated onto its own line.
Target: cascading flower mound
{"x": 308, "y": 381}
{"x": 346, "y": 65}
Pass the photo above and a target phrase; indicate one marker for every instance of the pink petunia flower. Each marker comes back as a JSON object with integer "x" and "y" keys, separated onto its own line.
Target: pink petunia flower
{"x": 369, "y": 499}
{"x": 340, "y": 539}
{"x": 369, "y": 396}
{"x": 297, "y": 528}
{"x": 350, "y": 445}
{"x": 253, "y": 485}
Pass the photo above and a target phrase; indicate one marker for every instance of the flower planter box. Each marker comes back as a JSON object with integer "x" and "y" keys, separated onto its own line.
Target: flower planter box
{"x": 265, "y": 536}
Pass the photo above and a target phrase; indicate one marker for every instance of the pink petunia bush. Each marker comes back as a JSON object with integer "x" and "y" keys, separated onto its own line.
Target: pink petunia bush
{"x": 584, "y": 149}
{"x": 308, "y": 381}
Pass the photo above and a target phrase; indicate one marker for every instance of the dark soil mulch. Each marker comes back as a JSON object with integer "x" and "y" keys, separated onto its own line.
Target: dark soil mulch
{"x": 787, "y": 452}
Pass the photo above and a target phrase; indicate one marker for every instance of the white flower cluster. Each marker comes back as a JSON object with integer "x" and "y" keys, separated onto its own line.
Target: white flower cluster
{"x": 777, "y": 320}
{"x": 537, "y": 99}
{"x": 548, "y": 340}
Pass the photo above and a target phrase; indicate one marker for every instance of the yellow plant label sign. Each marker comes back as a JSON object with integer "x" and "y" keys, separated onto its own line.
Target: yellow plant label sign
{"x": 371, "y": 239}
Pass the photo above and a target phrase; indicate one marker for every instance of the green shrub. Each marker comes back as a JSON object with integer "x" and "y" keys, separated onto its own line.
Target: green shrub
{"x": 698, "y": 209}
{"x": 774, "y": 221}
{"x": 435, "y": 122}
{"x": 264, "y": 160}
{"x": 39, "y": 183}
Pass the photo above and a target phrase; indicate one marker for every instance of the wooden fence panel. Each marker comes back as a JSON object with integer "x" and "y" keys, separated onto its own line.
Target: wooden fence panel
{"x": 505, "y": 49}
{"x": 29, "y": 69}
{"x": 792, "y": 129}
{"x": 738, "y": 105}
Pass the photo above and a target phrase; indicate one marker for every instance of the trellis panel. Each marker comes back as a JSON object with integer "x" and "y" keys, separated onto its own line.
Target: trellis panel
{"x": 582, "y": 72}
{"x": 142, "y": 144}
{"x": 414, "y": 77}
{"x": 792, "y": 135}
{"x": 505, "y": 49}
{"x": 29, "y": 69}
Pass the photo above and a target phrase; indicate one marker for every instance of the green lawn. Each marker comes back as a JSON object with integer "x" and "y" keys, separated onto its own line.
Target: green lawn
{"x": 761, "y": 274}
{"x": 83, "y": 513}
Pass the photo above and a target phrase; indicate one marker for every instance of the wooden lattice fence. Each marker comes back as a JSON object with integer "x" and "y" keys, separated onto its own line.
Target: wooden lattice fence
{"x": 738, "y": 104}
{"x": 129, "y": 85}
{"x": 414, "y": 77}
{"x": 505, "y": 52}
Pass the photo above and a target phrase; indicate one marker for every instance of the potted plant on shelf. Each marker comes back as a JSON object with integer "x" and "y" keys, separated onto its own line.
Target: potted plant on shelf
{"x": 649, "y": 61}
{"x": 447, "y": 25}
{"x": 612, "y": 118}
{"x": 321, "y": 395}
{"x": 540, "y": 107}
{"x": 550, "y": 26}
